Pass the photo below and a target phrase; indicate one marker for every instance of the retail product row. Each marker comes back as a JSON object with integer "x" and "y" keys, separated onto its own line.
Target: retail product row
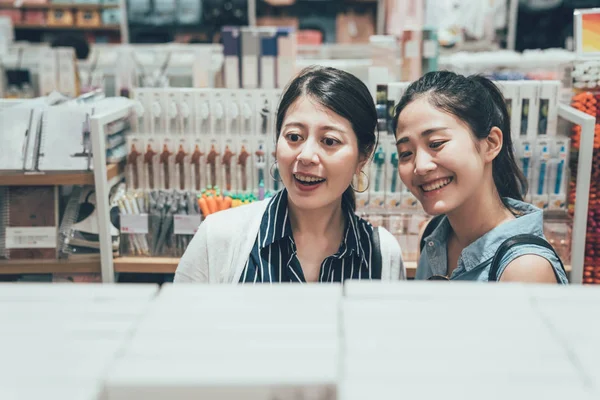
{"x": 263, "y": 58}
{"x": 187, "y": 153}
{"x": 328, "y": 342}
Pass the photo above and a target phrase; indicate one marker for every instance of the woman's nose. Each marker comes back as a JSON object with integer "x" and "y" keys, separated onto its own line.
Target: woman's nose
{"x": 309, "y": 152}
{"x": 423, "y": 163}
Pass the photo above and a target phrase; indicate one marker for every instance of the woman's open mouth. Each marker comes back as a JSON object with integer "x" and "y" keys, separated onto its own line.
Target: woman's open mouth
{"x": 436, "y": 185}
{"x": 308, "y": 180}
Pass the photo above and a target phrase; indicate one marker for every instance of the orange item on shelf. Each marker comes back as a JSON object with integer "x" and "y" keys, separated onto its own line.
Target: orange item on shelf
{"x": 60, "y": 17}
{"x": 34, "y": 17}
{"x": 88, "y": 18}
{"x": 309, "y": 37}
{"x": 14, "y": 15}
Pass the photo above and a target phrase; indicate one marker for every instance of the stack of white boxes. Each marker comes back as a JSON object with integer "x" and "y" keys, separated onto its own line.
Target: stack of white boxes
{"x": 463, "y": 341}
{"x": 233, "y": 342}
{"x": 59, "y": 340}
{"x": 574, "y": 318}
{"x": 299, "y": 342}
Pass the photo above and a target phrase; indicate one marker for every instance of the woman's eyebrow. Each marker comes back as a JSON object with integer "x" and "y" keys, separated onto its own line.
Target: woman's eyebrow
{"x": 426, "y": 132}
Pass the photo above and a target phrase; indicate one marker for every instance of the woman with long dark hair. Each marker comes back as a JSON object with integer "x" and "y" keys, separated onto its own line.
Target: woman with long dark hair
{"x": 307, "y": 232}
{"x": 455, "y": 155}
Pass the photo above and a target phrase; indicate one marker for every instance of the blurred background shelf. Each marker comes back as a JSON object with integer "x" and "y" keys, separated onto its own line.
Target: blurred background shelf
{"x": 115, "y": 28}
{"x": 83, "y": 7}
{"x": 168, "y": 265}
{"x": 17, "y": 267}
{"x": 56, "y": 178}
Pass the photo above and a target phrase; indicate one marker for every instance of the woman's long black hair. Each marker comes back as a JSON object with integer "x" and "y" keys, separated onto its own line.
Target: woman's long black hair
{"x": 477, "y": 102}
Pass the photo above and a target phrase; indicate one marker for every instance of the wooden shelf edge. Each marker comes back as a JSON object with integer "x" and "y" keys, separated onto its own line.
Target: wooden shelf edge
{"x": 56, "y": 178}
{"x": 68, "y": 27}
{"x": 71, "y": 6}
{"x": 150, "y": 265}
{"x": 168, "y": 265}
{"x": 17, "y": 267}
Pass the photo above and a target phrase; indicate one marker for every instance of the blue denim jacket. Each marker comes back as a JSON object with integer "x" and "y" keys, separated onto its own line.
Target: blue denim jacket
{"x": 475, "y": 260}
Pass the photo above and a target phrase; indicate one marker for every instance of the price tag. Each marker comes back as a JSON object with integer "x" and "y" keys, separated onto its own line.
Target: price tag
{"x": 134, "y": 223}
{"x": 411, "y": 49}
{"x": 186, "y": 224}
{"x": 37, "y": 237}
{"x": 429, "y": 49}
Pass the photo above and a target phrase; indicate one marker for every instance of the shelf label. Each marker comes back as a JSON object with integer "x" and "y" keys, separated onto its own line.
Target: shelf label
{"x": 186, "y": 224}
{"x": 411, "y": 49}
{"x": 134, "y": 223}
{"x": 36, "y": 237}
{"x": 429, "y": 49}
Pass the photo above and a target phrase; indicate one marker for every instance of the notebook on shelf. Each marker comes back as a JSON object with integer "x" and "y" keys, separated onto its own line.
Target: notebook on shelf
{"x": 14, "y": 135}
{"x": 65, "y": 142}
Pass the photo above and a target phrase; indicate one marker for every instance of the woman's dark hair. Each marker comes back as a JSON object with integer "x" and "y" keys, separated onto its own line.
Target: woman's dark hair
{"x": 342, "y": 93}
{"x": 477, "y": 102}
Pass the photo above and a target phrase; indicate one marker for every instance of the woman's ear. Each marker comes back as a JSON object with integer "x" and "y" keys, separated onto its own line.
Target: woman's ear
{"x": 362, "y": 161}
{"x": 493, "y": 144}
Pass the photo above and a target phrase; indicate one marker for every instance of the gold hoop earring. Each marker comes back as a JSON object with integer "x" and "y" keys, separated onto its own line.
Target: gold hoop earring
{"x": 360, "y": 183}
{"x": 275, "y": 178}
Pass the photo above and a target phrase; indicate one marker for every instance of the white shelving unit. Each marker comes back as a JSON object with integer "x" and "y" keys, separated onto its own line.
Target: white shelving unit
{"x": 582, "y": 189}
{"x": 103, "y": 185}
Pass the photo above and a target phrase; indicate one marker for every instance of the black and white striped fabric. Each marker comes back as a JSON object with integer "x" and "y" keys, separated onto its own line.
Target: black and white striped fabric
{"x": 273, "y": 256}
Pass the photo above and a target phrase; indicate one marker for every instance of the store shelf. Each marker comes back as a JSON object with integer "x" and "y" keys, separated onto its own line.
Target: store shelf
{"x": 83, "y": 7}
{"x": 168, "y": 265}
{"x": 17, "y": 267}
{"x": 115, "y": 28}
{"x": 150, "y": 265}
{"x": 55, "y": 178}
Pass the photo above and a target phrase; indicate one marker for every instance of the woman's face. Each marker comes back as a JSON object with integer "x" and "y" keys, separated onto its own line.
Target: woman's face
{"x": 317, "y": 154}
{"x": 438, "y": 159}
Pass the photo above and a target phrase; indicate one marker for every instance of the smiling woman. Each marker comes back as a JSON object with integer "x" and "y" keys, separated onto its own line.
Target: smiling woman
{"x": 455, "y": 155}
{"x": 308, "y": 232}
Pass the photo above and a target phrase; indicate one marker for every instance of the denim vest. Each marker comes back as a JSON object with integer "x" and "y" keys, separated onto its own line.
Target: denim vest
{"x": 475, "y": 260}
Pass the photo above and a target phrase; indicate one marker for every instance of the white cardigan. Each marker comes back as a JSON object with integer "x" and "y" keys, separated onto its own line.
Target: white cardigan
{"x": 219, "y": 250}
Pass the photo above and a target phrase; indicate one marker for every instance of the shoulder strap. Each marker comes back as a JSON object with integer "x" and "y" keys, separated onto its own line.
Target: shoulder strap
{"x": 518, "y": 240}
{"x": 431, "y": 225}
{"x": 376, "y": 263}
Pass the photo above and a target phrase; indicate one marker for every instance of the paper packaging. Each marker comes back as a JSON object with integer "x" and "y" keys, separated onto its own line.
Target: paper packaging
{"x": 203, "y": 75}
{"x": 199, "y": 142}
{"x": 286, "y": 57}
{"x": 135, "y": 176}
{"x": 232, "y": 53}
{"x": 393, "y": 182}
{"x": 213, "y": 147}
{"x": 243, "y": 166}
{"x": 230, "y": 141}
{"x": 250, "y": 51}
{"x": 268, "y": 57}
{"x": 66, "y": 69}
{"x": 541, "y": 171}
{"x": 263, "y": 138}
{"x": 430, "y": 51}
{"x": 510, "y": 91}
{"x": 183, "y": 167}
{"x": 530, "y": 103}
{"x": 48, "y": 71}
{"x": 559, "y": 164}
{"x": 548, "y": 108}
{"x": 411, "y": 55}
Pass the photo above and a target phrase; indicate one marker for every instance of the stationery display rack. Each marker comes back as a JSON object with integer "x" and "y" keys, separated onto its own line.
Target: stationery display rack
{"x": 69, "y": 17}
{"x": 103, "y": 176}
